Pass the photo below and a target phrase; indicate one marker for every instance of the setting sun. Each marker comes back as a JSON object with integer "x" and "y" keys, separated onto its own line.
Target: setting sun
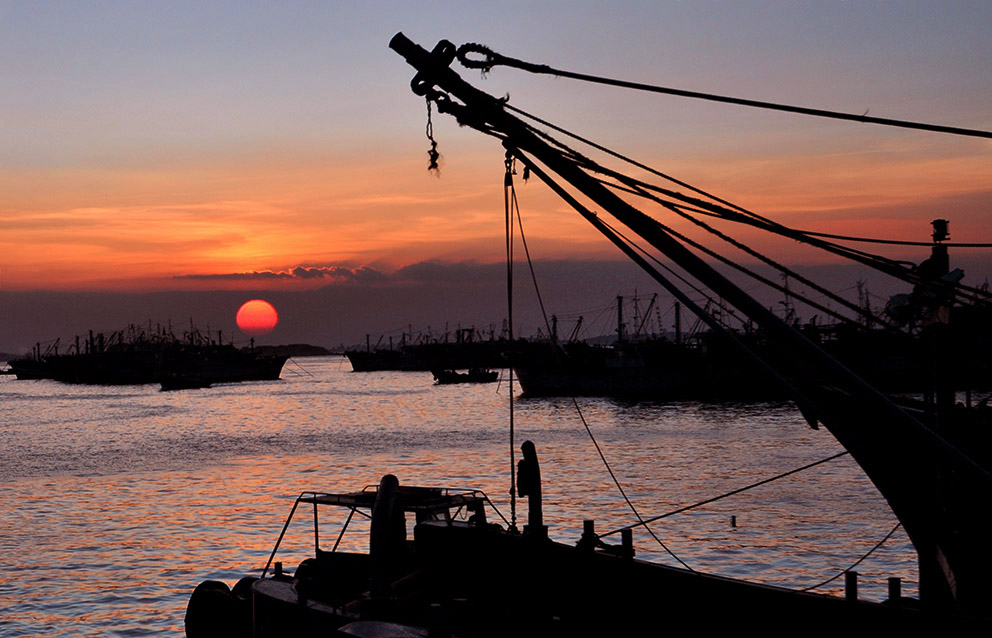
{"x": 257, "y": 317}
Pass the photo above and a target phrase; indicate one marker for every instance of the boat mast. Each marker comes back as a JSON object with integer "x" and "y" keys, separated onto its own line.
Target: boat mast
{"x": 620, "y": 330}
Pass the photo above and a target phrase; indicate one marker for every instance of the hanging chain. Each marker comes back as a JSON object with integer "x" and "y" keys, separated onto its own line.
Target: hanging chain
{"x": 432, "y": 154}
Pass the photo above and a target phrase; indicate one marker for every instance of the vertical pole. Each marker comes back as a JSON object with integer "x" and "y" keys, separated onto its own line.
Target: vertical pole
{"x": 851, "y": 586}
{"x": 508, "y": 221}
{"x": 895, "y": 591}
{"x": 588, "y": 540}
{"x": 619, "y": 318}
{"x": 316, "y": 531}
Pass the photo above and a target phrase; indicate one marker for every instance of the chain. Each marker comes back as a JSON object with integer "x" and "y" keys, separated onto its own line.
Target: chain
{"x": 432, "y": 154}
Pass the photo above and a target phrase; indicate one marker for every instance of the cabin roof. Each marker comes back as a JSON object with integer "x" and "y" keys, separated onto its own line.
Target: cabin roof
{"x": 409, "y": 498}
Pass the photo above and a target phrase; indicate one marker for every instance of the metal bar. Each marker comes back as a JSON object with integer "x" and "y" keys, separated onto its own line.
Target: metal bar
{"x": 343, "y": 530}
{"x": 289, "y": 519}
{"x": 316, "y": 531}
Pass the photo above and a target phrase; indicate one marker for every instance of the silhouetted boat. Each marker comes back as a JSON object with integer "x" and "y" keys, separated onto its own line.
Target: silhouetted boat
{"x": 467, "y": 350}
{"x": 474, "y": 375}
{"x": 134, "y": 357}
{"x": 708, "y": 366}
{"x": 464, "y": 574}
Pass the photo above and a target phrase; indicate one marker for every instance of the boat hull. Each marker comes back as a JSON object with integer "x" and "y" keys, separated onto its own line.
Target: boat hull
{"x": 480, "y": 581}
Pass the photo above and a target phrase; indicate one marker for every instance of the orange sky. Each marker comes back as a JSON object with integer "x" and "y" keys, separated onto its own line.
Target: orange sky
{"x": 187, "y": 145}
{"x": 141, "y": 228}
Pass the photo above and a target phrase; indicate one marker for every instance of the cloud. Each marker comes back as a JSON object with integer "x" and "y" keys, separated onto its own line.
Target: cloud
{"x": 239, "y": 276}
{"x": 364, "y": 274}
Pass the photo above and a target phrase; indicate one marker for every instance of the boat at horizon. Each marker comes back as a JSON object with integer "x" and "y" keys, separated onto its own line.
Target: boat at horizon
{"x": 472, "y": 375}
{"x": 706, "y": 366}
{"x": 136, "y": 357}
{"x": 468, "y": 349}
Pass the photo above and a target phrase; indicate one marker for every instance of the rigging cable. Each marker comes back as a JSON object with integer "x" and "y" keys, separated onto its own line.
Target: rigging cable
{"x": 857, "y": 562}
{"x": 491, "y": 59}
{"x": 628, "y": 248}
{"x": 642, "y": 522}
{"x": 730, "y": 493}
{"x": 895, "y": 242}
{"x": 771, "y": 262}
{"x": 902, "y": 270}
{"x": 635, "y": 187}
{"x": 898, "y": 269}
{"x": 575, "y": 403}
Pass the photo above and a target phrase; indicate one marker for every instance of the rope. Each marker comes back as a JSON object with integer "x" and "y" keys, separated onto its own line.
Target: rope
{"x": 635, "y": 187}
{"x": 731, "y": 493}
{"x": 490, "y": 59}
{"x": 300, "y": 367}
{"x": 754, "y": 253}
{"x": 893, "y": 242}
{"x": 899, "y": 269}
{"x": 575, "y": 403}
{"x": 857, "y": 562}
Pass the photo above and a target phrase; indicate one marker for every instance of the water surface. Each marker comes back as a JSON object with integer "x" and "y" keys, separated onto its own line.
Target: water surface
{"x": 117, "y": 501}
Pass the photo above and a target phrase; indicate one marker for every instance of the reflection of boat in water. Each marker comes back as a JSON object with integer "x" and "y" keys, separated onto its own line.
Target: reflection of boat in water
{"x": 134, "y": 356}
{"x": 467, "y": 350}
{"x": 439, "y": 564}
{"x": 474, "y": 375}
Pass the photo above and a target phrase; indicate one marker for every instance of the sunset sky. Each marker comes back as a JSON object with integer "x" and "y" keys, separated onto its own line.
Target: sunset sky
{"x": 181, "y": 146}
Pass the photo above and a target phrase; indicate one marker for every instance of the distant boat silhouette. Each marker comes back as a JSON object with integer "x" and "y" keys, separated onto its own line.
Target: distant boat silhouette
{"x": 474, "y": 375}
{"x": 134, "y": 356}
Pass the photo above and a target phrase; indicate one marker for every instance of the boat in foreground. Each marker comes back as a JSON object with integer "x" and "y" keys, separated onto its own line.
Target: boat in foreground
{"x": 444, "y": 562}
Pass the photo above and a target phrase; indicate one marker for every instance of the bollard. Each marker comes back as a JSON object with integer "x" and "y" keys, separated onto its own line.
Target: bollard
{"x": 851, "y": 586}
{"x": 627, "y": 542}
{"x": 588, "y": 540}
{"x": 895, "y": 591}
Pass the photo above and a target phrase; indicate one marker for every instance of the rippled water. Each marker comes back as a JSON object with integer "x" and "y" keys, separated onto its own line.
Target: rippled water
{"x": 116, "y": 502}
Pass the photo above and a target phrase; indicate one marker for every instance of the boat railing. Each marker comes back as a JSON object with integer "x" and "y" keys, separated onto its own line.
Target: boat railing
{"x": 427, "y": 503}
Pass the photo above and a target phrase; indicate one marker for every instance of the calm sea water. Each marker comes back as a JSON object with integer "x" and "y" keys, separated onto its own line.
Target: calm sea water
{"x": 116, "y": 501}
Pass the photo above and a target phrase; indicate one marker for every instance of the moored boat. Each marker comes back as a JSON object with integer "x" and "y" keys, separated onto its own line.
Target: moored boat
{"x": 466, "y": 350}
{"x": 135, "y": 357}
{"x": 473, "y": 375}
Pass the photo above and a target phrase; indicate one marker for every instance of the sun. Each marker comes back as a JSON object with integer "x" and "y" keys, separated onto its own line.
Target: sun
{"x": 257, "y": 317}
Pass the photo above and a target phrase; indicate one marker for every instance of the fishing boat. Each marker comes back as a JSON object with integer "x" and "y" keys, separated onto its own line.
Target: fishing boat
{"x": 706, "y": 366}
{"x": 444, "y": 562}
{"x": 134, "y": 356}
{"x": 473, "y": 375}
{"x": 466, "y": 350}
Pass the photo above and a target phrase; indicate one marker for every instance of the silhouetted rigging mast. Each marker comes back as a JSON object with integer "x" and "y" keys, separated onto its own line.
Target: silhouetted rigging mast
{"x": 890, "y": 444}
